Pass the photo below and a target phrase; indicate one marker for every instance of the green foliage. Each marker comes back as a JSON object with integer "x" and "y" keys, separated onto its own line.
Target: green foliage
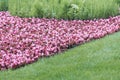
{"x": 20, "y": 8}
{"x": 3, "y": 5}
{"x": 37, "y": 10}
{"x": 64, "y": 9}
{"x": 118, "y": 1}
{"x": 99, "y": 9}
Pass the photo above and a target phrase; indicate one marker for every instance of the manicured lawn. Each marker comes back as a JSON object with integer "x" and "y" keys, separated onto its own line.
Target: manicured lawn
{"x": 96, "y": 60}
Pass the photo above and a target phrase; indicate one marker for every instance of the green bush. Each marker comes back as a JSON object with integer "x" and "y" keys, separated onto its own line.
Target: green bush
{"x": 118, "y": 1}
{"x": 99, "y": 9}
{"x": 3, "y": 5}
{"x": 20, "y": 8}
{"x": 65, "y": 9}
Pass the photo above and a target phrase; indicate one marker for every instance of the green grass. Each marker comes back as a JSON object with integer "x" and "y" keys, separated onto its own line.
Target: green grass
{"x": 118, "y": 1}
{"x": 64, "y": 9}
{"x": 3, "y": 5}
{"x": 95, "y": 60}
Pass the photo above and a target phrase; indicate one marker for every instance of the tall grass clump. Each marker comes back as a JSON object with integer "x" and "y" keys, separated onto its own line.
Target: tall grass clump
{"x": 64, "y": 9}
{"x": 118, "y": 1}
{"x": 99, "y": 9}
{"x": 3, "y": 5}
{"x": 20, "y": 8}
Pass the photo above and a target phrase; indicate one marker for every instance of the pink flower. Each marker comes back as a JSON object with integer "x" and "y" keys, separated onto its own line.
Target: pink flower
{"x": 24, "y": 40}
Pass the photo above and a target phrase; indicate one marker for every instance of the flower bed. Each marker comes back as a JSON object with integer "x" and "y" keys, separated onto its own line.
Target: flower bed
{"x": 25, "y": 40}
